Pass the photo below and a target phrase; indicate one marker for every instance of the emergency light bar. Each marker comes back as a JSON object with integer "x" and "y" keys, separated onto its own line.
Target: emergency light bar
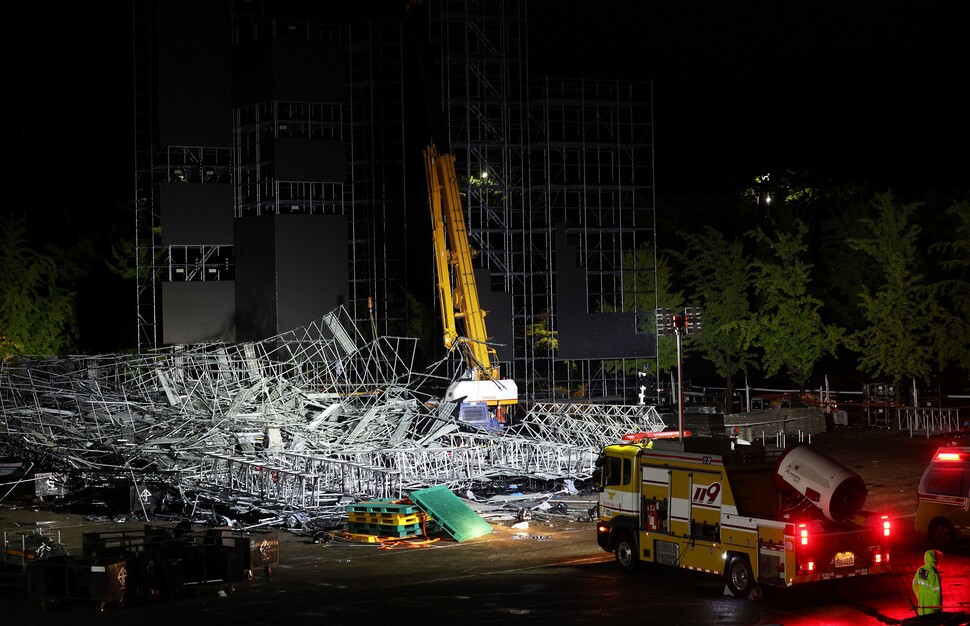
{"x": 658, "y": 434}
{"x": 948, "y": 456}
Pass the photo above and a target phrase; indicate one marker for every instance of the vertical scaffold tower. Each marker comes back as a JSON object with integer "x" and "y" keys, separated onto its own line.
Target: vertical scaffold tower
{"x": 539, "y": 155}
{"x": 369, "y": 122}
{"x": 367, "y": 119}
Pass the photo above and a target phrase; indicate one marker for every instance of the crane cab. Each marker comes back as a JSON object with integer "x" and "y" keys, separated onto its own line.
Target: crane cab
{"x": 484, "y": 404}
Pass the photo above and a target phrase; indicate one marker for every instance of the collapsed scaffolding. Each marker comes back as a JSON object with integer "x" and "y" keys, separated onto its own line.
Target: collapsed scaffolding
{"x": 296, "y": 423}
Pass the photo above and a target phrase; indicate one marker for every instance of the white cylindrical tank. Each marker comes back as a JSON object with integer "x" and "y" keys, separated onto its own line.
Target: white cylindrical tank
{"x": 835, "y": 489}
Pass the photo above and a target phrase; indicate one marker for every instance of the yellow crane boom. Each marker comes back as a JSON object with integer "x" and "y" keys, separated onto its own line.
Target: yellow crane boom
{"x": 481, "y": 386}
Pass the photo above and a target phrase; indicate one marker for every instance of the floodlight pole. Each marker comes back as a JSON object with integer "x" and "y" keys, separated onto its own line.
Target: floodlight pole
{"x": 680, "y": 379}
{"x": 678, "y": 323}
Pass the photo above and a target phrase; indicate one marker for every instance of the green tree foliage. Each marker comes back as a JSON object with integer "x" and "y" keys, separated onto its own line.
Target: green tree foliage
{"x": 779, "y": 196}
{"x": 544, "y": 340}
{"x": 843, "y": 267}
{"x": 122, "y": 256}
{"x": 718, "y": 275}
{"x": 36, "y": 312}
{"x": 896, "y": 340}
{"x": 787, "y": 326}
{"x": 544, "y": 343}
{"x": 951, "y": 332}
{"x": 666, "y": 298}
{"x": 647, "y": 286}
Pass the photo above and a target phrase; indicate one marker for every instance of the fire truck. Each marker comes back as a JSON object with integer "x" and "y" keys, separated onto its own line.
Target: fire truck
{"x": 754, "y": 515}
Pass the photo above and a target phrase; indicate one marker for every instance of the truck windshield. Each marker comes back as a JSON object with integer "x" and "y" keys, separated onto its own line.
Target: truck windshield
{"x": 615, "y": 471}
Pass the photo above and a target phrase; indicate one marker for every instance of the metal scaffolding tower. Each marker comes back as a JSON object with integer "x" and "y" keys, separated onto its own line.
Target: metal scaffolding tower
{"x": 537, "y": 155}
{"x": 147, "y": 218}
{"x": 368, "y": 121}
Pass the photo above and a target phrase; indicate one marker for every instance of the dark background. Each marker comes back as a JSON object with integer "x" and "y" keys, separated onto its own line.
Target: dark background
{"x": 863, "y": 91}
{"x": 875, "y": 90}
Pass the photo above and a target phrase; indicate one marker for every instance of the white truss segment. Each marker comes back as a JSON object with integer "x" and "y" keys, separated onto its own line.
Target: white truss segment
{"x": 299, "y": 420}
{"x": 589, "y": 425}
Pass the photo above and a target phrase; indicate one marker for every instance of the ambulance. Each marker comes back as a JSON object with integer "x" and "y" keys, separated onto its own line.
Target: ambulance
{"x": 943, "y": 498}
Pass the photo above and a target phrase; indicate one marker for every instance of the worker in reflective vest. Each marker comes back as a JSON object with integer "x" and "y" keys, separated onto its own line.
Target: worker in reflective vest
{"x": 927, "y": 586}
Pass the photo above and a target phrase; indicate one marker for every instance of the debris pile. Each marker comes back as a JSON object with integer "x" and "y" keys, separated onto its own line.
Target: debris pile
{"x": 290, "y": 428}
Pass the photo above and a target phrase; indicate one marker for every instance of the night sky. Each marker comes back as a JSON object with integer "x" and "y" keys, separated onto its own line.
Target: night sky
{"x": 874, "y": 90}
{"x": 865, "y": 90}
{"x": 877, "y": 91}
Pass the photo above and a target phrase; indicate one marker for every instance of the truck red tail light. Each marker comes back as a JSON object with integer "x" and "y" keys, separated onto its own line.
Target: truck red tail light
{"x": 886, "y": 526}
{"x": 803, "y": 534}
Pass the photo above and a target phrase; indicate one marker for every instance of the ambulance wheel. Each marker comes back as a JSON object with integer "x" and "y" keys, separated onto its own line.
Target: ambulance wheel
{"x": 626, "y": 552}
{"x": 740, "y": 578}
{"x": 940, "y": 534}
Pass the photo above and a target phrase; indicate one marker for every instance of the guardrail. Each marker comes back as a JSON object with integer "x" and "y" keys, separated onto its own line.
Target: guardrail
{"x": 928, "y": 421}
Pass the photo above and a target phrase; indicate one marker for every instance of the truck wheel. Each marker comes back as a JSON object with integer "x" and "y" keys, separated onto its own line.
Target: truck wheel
{"x": 740, "y": 578}
{"x": 626, "y": 552}
{"x": 941, "y": 534}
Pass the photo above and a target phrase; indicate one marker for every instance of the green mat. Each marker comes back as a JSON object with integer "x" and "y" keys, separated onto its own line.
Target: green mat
{"x": 453, "y": 515}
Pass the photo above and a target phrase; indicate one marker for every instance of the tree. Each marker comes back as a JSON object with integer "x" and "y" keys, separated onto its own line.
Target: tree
{"x": 951, "y": 330}
{"x": 843, "y": 267}
{"x": 648, "y": 286}
{"x": 896, "y": 341}
{"x": 718, "y": 275}
{"x": 36, "y": 312}
{"x": 787, "y": 326}
{"x": 543, "y": 339}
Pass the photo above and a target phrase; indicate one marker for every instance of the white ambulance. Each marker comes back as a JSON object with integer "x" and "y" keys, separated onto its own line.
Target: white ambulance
{"x": 943, "y": 498}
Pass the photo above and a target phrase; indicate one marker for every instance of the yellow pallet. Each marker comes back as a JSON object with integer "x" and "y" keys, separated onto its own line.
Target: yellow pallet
{"x": 415, "y": 541}
{"x": 387, "y": 519}
{"x": 363, "y": 538}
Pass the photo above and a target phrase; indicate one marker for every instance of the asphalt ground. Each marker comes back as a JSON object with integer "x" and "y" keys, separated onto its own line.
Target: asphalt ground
{"x": 344, "y": 581}
{"x": 890, "y": 462}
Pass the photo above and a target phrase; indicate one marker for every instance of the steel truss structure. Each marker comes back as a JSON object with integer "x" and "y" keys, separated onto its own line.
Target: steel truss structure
{"x": 300, "y": 421}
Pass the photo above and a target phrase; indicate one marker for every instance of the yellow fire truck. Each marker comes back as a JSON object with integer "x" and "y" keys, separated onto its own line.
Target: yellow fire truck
{"x": 739, "y": 511}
